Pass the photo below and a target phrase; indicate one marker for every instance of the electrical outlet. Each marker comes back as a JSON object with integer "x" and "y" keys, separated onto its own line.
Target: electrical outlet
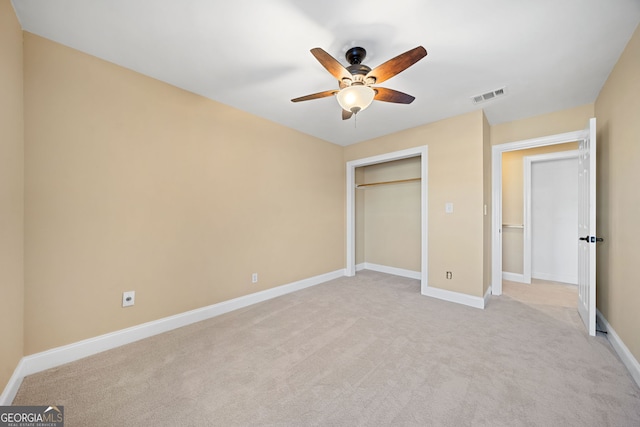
{"x": 449, "y": 275}
{"x": 254, "y": 278}
{"x": 128, "y": 298}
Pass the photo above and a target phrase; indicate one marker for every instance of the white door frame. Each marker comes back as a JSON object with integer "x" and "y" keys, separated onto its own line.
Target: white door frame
{"x": 527, "y": 238}
{"x": 496, "y": 184}
{"x": 421, "y": 152}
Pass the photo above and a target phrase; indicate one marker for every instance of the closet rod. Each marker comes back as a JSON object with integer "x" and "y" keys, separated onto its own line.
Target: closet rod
{"x": 387, "y": 182}
{"x": 512, "y": 226}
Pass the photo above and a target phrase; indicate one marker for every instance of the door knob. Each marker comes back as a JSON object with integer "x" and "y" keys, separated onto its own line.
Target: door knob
{"x": 591, "y": 239}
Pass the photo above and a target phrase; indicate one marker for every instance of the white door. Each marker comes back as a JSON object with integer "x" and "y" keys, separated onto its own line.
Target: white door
{"x": 587, "y": 229}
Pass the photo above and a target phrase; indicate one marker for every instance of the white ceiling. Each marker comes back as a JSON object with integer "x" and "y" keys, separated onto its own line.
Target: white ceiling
{"x": 254, "y": 55}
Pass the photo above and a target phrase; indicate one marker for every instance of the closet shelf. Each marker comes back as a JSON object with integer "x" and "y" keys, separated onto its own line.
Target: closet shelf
{"x": 387, "y": 182}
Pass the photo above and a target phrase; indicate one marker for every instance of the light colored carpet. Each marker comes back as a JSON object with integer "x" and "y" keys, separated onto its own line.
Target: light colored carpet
{"x": 361, "y": 351}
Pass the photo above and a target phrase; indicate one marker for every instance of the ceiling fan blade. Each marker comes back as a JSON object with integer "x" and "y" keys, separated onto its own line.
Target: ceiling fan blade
{"x": 331, "y": 64}
{"x": 398, "y": 64}
{"x": 315, "y": 96}
{"x": 390, "y": 95}
{"x": 346, "y": 115}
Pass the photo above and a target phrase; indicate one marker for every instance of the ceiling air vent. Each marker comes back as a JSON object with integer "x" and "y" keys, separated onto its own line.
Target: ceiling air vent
{"x": 477, "y": 99}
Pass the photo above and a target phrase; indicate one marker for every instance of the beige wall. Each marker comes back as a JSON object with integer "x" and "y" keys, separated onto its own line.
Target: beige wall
{"x": 513, "y": 202}
{"x": 455, "y": 174}
{"x": 132, "y": 184}
{"x": 618, "y": 208}
{"x": 543, "y": 125}
{"x": 11, "y": 192}
{"x": 391, "y": 214}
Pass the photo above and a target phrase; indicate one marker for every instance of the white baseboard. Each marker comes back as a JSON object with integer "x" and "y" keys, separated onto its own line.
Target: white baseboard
{"x": 11, "y": 389}
{"x": 389, "y": 270}
{"x": 487, "y": 296}
{"x": 621, "y": 349}
{"x": 457, "y": 297}
{"x": 60, "y": 355}
{"x": 513, "y": 277}
{"x": 442, "y": 294}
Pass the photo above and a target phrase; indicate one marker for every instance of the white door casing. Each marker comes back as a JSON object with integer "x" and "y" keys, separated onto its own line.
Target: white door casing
{"x": 421, "y": 152}
{"x": 587, "y": 229}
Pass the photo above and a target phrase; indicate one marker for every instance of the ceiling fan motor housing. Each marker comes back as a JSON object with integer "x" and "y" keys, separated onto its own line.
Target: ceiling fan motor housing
{"x": 355, "y": 56}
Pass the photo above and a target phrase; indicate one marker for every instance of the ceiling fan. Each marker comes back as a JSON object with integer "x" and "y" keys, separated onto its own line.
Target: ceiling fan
{"x": 355, "y": 82}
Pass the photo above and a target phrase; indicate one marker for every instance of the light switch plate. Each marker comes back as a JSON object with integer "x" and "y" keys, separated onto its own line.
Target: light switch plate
{"x": 448, "y": 207}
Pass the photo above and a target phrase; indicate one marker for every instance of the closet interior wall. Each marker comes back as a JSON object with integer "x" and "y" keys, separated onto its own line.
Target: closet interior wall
{"x": 388, "y": 215}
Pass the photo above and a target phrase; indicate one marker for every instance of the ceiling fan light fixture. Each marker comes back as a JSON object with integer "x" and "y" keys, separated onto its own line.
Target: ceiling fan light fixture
{"x": 355, "y": 98}
{"x": 354, "y": 81}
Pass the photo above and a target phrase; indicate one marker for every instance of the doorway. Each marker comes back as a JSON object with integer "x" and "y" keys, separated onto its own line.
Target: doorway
{"x": 586, "y": 214}
{"x": 497, "y": 203}
{"x": 421, "y": 152}
{"x": 542, "y": 294}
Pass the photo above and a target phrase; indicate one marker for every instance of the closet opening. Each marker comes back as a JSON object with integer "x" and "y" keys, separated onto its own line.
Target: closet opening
{"x": 386, "y": 222}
